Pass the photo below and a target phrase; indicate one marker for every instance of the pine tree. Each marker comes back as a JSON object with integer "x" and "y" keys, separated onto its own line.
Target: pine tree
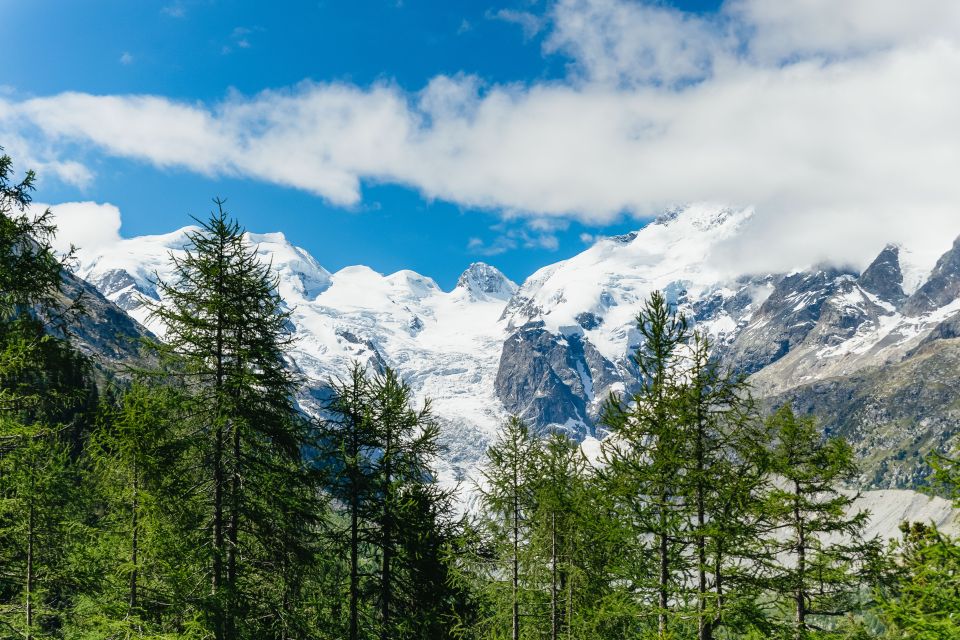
{"x": 349, "y": 444}
{"x": 226, "y": 333}
{"x": 922, "y": 603}
{"x": 407, "y": 443}
{"x": 643, "y": 460}
{"x": 140, "y": 474}
{"x": 560, "y": 474}
{"x": 506, "y": 493}
{"x": 724, "y": 479}
{"x": 819, "y": 535}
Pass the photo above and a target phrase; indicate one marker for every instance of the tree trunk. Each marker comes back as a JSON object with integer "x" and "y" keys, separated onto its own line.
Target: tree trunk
{"x": 216, "y": 577}
{"x": 233, "y": 535}
{"x": 664, "y": 578}
{"x": 554, "y": 622}
{"x": 30, "y": 576}
{"x": 704, "y": 628}
{"x": 354, "y": 564}
{"x": 134, "y": 539}
{"x": 386, "y": 579}
{"x": 516, "y": 553}
{"x": 800, "y": 597}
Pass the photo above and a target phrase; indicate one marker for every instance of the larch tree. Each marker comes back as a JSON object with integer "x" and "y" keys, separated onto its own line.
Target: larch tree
{"x": 507, "y": 493}
{"x": 643, "y": 461}
{"x": 818, "y": 532}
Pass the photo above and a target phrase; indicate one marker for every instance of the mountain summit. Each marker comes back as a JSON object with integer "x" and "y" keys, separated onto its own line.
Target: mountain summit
{"x": 552, "y": 349}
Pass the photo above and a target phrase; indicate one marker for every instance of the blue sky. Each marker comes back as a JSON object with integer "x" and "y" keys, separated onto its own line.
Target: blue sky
{"x": 202, "y": 50}
{"x": 429, "y": 134}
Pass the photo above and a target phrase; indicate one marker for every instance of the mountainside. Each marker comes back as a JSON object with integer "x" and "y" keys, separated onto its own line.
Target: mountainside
{"x": 874, "y": 353}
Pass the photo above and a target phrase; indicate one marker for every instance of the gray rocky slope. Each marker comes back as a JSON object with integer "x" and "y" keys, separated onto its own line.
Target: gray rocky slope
{"x": 874, "y": 353}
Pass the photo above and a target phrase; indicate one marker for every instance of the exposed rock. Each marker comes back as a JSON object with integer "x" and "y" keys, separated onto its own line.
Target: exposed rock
{"x": 884, "y": 277}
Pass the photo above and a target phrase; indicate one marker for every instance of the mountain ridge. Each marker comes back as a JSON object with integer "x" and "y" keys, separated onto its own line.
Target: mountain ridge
{"x": 552, "y": 348}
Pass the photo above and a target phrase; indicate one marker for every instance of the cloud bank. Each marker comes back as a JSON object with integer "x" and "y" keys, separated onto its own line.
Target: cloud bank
{"x": 835, "y": 120}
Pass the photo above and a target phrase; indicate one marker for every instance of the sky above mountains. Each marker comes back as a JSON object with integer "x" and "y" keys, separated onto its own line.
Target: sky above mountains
{"x": 427, "y": 135}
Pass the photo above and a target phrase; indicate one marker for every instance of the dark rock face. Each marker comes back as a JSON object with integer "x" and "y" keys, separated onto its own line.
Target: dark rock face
{"x": 942, "y": 287}
{"x": 103, "y": 331}
{"x": 550, "y": 380}
{"x": 784, "y": 319}
{"x": 884, "y": 277}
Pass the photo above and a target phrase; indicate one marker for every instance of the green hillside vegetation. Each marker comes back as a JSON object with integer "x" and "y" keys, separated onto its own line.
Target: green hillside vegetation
{"x": 192, "y": 498}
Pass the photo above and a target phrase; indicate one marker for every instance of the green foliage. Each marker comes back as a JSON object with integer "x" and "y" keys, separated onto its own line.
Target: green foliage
{"x": 924, "y": 600}
{"x": 195, "y": 501}
{"x": 819, "y": 530}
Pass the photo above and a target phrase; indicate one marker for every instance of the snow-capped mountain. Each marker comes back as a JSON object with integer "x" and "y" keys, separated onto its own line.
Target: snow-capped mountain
{"x": 553, "y": 348}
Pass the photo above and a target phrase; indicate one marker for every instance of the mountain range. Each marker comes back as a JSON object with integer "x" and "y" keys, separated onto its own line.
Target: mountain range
{"x": 873, "y": 353}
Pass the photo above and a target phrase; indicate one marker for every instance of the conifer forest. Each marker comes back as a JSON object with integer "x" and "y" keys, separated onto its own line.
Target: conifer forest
{"x": 187, "y": 494}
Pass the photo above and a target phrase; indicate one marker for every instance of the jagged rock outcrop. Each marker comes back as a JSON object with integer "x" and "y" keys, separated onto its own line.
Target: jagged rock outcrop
{"x": 551, "y": 380}
{"x": 884, "y": 277}
{"x": 784, "y": 319}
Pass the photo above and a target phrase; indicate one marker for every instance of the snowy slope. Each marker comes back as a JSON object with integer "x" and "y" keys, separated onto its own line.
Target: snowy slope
{"x": 552, "y": 349}
{"x": 445, "y": 344}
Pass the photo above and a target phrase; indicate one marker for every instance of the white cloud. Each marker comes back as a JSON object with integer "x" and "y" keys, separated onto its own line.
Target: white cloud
{"x": 530, "y": 23}
{"x": 786, "y": 30}
{"x": 126, "y": 58}
{"x": 613, "y": 41}
{"x": 842, "y": 137}
{"x": 86, "y": 225}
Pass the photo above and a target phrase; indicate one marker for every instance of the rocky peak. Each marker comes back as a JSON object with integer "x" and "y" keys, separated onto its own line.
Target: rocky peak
{"x": 884, "y": 277}
{"x": 483, "y": 280}
{"x": 941, "y": 288}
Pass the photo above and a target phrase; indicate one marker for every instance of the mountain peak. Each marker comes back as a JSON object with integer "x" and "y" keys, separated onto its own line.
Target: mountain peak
{"x": 482, "y": 280}
{"x": 884, "y": 276}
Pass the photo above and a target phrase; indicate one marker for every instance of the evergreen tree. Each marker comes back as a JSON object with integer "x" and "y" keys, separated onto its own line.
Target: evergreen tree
{"x": 507, "y": 491}
{"x": 407, "y": 442}
{"x": 45, "y": 394}
{"x": 141, "y": 475}
{"x": 643, "y": 460}
{"x": 725, "y": 479}
{"x": 560, "y": 473}
{"x": 349, "y": 446}
{"x": 922, "y": 603}
{"x": 226, "y": 331}
{"x": 819, "y": 537}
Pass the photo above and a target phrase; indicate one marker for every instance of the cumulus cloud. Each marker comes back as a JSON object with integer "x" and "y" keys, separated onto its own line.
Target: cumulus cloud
{"x": 85, "y": 225}
{"x": 835, "y": 120}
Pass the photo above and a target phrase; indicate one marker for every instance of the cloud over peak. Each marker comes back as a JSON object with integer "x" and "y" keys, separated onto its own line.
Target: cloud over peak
{"x": 836, "y": 120}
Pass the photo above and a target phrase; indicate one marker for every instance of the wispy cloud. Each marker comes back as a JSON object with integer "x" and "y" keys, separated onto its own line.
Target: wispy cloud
{"x": 239, "y": 39}
{"x": 530, "y": 23}
{"x": 126, "y": 58}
